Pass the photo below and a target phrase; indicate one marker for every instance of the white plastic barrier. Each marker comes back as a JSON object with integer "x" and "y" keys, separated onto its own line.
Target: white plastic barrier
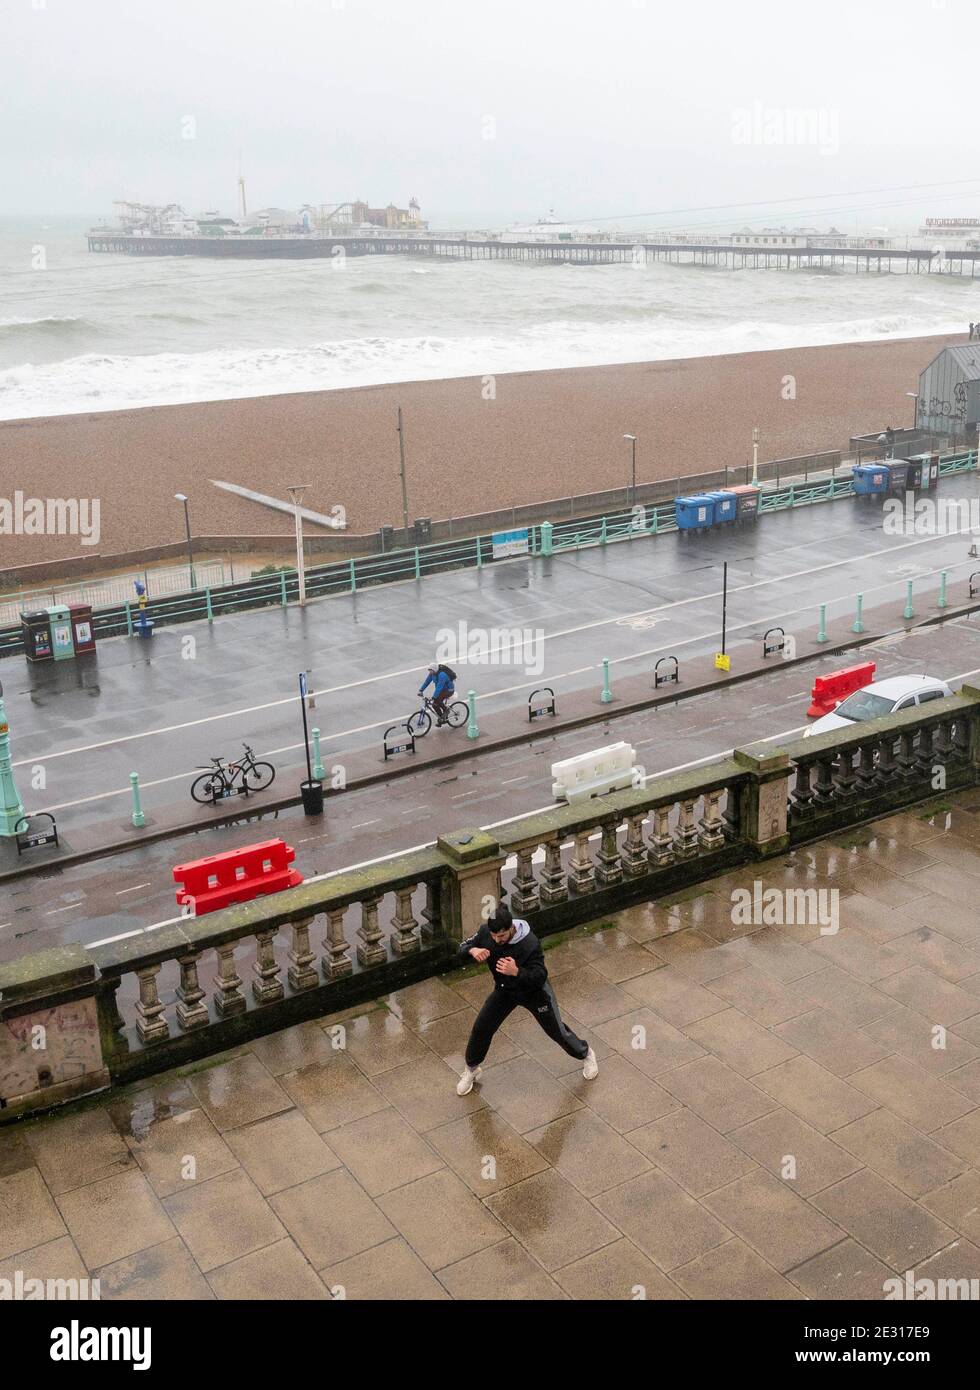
{"x": 591, "y": 774}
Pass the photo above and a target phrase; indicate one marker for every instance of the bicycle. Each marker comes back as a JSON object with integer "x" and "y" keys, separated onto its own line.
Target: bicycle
{"x": 219, "y": 779}
{"x": 420, "y": 723}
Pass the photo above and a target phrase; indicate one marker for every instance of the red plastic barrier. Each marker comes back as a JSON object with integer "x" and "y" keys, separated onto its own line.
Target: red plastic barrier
{"x": 829, "y": 690}
{"x": 236, "y": 876}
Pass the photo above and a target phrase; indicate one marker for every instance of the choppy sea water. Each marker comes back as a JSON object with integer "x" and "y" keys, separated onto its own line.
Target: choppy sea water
{"x": 86, "y": 332}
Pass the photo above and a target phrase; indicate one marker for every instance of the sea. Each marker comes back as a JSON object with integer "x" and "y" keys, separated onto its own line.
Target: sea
{"x": 83, "y": 332}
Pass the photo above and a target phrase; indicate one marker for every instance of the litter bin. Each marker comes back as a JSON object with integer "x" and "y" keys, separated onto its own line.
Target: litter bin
{"x": 693, "y": 513}
{"x": 746, "y": 500}
{"x": 387, "y": 535}
{"x": 901, "y": 476}
{"x": 83, "y": 636}
{"x": 870, "y": 478}
{"x": 928, "y": 469}
{"x": 62, "y": 645}
{"x": 423, "y": 530}
{"x": 312, "y": 794}
{"x": 36, "y": 632}
{"x": 724, "y": 506}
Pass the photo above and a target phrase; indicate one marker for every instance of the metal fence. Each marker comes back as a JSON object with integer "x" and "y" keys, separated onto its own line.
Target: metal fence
{"x": 103, "y": 593}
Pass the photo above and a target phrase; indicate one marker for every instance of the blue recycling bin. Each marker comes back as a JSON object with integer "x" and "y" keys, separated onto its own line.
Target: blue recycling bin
{"x": 725, "y": 506}
{"x": 871, "y": 478}
{"x": 694, "y": 513}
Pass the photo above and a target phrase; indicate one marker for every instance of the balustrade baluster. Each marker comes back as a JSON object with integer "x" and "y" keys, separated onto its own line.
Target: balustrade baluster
{"x": 524, "y": 887}
{"x": 151, "y": 1025}
{"x": 661, "y": 850}
{"x": 925, "y": 758}
{"x": 711, "y": 833}
{"x": 686, "y": 835}
{"x": 229, "y": 999}
{"x": 337, "y": 962}
{"x": 192, "y": 1012}
{"x": 867, "y": 771}
{"x": 843, "y": 775}
{"x": 302, "y": 958}
{"x": 405, "y": 939}
{"x": 370, "y": 949}
{"x": 581, "y": 869}
{"x": 823, "y": 791}
{"x": 634, "y": 854}
{"x": 802, "y": 795}
{"x": 609, "y": 865}
{"x": 553, "y": 882}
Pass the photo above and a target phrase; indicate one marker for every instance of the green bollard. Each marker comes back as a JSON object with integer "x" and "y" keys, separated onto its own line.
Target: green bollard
{"x": 606, "y": 695}
{"x": 207, "y": 600}
{"x": 472, "y": 728}
{"x": 602, "y": 533}
{"x": 909, "y": 610}
{"x": 822, "y": 632}
{"x": 858, "y": 624}
{"x": 139, "y": 820}
{"x": 318, "y": 771}
{"x": 943, "y": 602}
{"x": 547, "y": 543}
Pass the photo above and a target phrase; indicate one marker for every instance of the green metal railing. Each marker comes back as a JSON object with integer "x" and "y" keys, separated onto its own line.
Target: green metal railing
{"x": 281, "y": 588}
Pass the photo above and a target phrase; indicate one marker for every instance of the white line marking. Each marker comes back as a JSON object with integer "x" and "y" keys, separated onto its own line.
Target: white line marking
{"x": 135, "y": 889}
{"x": 62, "y": 909}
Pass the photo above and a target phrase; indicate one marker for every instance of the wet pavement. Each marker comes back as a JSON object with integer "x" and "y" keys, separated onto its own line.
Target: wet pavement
{"x": 163, "y": 707}
{"x": 126, "y": 893}
{"x": 779, "y": 1113}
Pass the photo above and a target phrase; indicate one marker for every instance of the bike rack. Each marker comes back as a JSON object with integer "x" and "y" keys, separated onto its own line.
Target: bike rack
{"x": 974, "y": 587}
{"x": 33, "y": 839}
{"x": 670, "y": 677}
{"x": 404, "y": 747}
{"x": 772, "y": 648}
{"x": 538, "y": 711}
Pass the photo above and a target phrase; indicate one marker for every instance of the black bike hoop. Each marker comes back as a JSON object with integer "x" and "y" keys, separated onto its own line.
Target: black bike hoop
{"x": 669, "y": 677}
{"x": 393, "y": 746}
{"x": 543, "y": 707}
{"x": 773, "y": 648}
{"x": 974, "y": 587}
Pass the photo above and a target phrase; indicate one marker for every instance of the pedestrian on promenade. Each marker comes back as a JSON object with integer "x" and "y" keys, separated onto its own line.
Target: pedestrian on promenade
{"x": 513, "y": 955}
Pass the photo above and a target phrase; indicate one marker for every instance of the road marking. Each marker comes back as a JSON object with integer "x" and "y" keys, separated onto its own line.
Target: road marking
{"x": 62, "y": 909}
{"x": 135, "y": 889}
{"x": 358, "y": 825}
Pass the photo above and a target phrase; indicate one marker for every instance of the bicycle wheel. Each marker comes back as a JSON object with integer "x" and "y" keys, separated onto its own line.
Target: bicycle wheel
{"x": 259, "y": 776}
{"x": 457, "y": 714}
{"x": 419, "y": 723}
{"x": 207, "y": 789}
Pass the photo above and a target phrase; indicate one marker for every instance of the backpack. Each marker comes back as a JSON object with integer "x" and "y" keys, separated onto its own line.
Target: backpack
{"x": 448, "y": 671}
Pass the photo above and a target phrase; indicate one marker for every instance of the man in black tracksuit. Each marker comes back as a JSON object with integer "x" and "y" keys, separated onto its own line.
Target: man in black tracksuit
{"x": 513, "y": 956}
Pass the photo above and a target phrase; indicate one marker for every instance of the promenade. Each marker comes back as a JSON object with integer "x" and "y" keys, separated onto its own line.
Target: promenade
{"x": 773, "y": 1118}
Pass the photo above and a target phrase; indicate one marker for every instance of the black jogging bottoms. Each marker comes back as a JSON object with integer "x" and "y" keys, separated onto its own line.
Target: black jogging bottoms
{"x": 544, "y": 1007}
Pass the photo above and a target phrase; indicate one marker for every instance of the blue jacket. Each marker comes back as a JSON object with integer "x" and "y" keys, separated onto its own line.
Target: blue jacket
{"x": 440, "y": 682}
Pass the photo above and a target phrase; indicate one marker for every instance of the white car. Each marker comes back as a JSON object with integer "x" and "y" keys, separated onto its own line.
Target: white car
{"x": 879, "y": 698}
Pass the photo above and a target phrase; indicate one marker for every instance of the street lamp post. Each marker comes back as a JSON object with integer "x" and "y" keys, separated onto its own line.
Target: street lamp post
{"x": 11, "y": 806}
{"x": 296, "y": 491}
{"x": 401, "y": 459}
{"x": 632, "y": 440}
{"x": 755, "y": 457}
{"x": 915, "y": 415}
{"x": 182, "y": 497}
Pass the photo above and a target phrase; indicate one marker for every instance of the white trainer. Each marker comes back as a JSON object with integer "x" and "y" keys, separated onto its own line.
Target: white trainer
{"x": 465, "y": 1083}
{"x": 591, "y": 1069}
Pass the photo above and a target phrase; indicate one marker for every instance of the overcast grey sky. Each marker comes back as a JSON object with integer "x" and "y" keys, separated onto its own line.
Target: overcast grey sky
{"x": 490, "y": 112}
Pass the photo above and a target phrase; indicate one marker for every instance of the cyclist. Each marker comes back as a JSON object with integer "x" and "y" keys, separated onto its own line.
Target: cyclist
{"x": 443, "y": 682}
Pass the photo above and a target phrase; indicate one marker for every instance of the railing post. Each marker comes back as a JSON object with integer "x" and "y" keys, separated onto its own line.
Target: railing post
{"x": 129, "y": 619}
{"x": 418, "y": 564}
{"x": 547, "y": 539}
{"x": 139, "y": 820}
{"x": 282, "y": 586}
{"x": 471, "y": 884}
{"x": 353, "y": 578}
{"x": 207, "y": 601}
{"x": 822, "y": 630}
{"x": 479, "y": 552}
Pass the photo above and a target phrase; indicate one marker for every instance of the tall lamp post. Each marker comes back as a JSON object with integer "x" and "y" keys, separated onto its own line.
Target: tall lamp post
{"x": 11, "y": 807}
{"x": 915, "y": 414}
{"x": 632, "y": 440}
{"x": 296, "y": 491}
{"x": 182, "y": 497}
{"x": 755, "y": 457}
{"x": 401, "y": 460}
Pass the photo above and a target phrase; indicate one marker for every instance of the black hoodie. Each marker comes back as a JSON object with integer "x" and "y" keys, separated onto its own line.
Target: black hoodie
{"x": 524, "y": 947}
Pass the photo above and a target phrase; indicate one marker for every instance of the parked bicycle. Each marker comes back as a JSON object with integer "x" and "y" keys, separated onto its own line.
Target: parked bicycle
{"x": 223, "y": 779}
{"x": 420, "y": 723}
